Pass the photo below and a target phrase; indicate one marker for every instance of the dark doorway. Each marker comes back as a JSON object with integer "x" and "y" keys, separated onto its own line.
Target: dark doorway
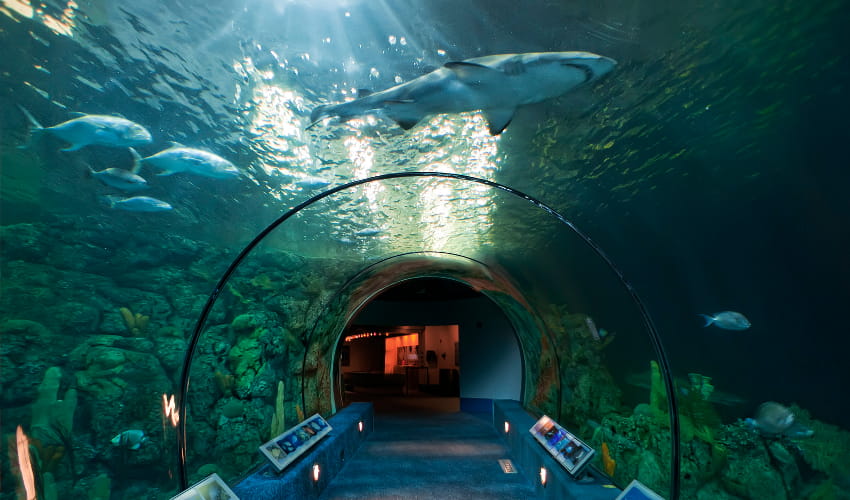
{"x": 405, "y": 368}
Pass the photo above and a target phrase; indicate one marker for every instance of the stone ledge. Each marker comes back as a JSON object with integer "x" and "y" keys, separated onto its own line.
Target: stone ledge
{"x": 296, "y": 481}
{"x": 529, "y": 456}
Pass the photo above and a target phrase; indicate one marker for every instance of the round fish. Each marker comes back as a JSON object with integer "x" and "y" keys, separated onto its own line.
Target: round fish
{"x": 102, "y": 130}
{"x": 773, "y": 419}
{"x": 727, "y": 320}
{"x": 131, "y": 439}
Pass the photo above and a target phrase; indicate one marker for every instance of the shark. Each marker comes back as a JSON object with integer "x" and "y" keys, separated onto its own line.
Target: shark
{"x": 496, "y": 85}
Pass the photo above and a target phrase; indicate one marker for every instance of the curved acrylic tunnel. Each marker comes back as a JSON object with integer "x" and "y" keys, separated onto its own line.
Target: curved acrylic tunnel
{"x": 265, "y": 345}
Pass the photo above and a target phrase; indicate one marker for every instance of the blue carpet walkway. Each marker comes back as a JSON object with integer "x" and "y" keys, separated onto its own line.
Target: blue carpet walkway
{"x": 446, "y": 456}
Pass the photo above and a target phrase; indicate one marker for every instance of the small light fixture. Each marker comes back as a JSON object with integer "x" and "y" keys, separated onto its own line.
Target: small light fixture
{"x": 360, "y": 426}
{"x": 316, "y": 472}
{"x": 543, "y": 476}
{"x": 507, "y": 426}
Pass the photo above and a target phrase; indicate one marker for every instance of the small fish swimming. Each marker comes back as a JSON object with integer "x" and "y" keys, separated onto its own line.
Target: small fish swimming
{"x": 120, "y": 178}
{"x": 138, "y": 204}
{"x": 312, "y": 182}
{"x": 131, "y": 439}
{"x": 496, "y": 85}
{"x": 86, "y": 129}
{"x": 727, "y": 320}
{"x": 179, "y": 158}
{"x": 773, "y": 419}
{"x": 369, "y": 231}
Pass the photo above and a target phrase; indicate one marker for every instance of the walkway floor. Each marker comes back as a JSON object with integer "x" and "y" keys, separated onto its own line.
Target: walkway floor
{"x": 429, "y": 455}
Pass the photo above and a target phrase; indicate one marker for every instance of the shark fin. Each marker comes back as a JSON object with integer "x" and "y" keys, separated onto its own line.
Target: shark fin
{"x": 406, "y": 124}
{"x": 167, "y": 172}
{"x": 73, "y": 147}
{"x": 498, "y": 119}
{"x": 473, "y": 74}
{"x": 175, "y": 144}
{"x": 77, "y": 114}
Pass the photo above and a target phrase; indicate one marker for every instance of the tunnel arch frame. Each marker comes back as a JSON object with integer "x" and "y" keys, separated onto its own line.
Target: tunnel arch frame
{"x": 340, "y": 330}
{"x": 655, "y": 339}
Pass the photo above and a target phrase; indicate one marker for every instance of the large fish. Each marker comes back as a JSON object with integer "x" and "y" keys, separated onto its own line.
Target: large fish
{"x": 86, "y": 129}
{"x": 496, "y": 85}
{"x": 179, "y": 158}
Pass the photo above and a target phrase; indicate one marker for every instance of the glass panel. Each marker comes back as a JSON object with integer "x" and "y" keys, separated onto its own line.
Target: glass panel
{"x": 275, "y": 329}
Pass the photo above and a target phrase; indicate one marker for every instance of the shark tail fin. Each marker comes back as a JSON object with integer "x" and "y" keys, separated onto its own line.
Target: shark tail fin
{"x": 708, "y": 320}
{"x": 35, "y": 128}
{"x": 137, "y": 161}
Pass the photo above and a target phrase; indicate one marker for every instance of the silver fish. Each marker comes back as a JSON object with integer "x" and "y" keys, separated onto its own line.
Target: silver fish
{"x": 369, "y": 231}
{"x": 496, "y": 84}
{"x": 727, "y": 320}
{"x": 86, "y": 129}
{"x": 131, "y": 439}
{"x": 138, "y": 204}
{"x": 179, "y": 158}
{"x": 772, "y": 419}
{"x": 312, "y": 182}
{"x": 119, "y": 178}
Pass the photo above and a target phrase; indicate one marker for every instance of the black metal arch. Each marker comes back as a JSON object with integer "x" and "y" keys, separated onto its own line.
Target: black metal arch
{"x": 648, "y": 323}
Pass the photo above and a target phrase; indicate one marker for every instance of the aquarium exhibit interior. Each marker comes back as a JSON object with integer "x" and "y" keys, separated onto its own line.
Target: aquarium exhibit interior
{"x": 337, "y": 249}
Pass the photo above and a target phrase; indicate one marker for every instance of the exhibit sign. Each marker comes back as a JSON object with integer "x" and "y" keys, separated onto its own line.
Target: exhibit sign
{"x": 210, "y": 488}
{"x": 293, "y": 443}
{"x": 638, "y": 491}
{"x": 571, "y": 452}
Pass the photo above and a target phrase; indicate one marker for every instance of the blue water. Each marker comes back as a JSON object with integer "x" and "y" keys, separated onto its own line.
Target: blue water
{"x": 708, "y": 165}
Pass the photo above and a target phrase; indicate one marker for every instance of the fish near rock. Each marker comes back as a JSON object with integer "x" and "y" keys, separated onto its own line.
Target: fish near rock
{"x": 131, "y": 439}
{"x": 496, "y": 85}
{"x": 84, "y": 130}
{"x": 137, "y": 204}
{"x": 179, "y": 158}
{"x": 774, "y": 419}
{"x": 727, "y": 320}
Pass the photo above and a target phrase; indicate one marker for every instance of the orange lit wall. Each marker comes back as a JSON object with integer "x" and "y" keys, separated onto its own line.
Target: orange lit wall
{"x": 392, "y": 344}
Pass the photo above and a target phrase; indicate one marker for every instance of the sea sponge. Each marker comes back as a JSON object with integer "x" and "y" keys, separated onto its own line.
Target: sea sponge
{"x": 47, "y": 411}
{"x": 278, "y": 421}
{"x": 136, "y": 323}
{"x": 609, "y": 465}
{"x": 657, "y": 391}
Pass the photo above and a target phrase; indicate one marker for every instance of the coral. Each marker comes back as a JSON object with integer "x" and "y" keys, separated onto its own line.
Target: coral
{"x": 136, "y": 323}
{"x": 828, "y": 449}
{"x": 233, "y": 408}
{"x": 657, "y": 392}
{"x": 225, "y": 382}
{"x": 101, "y": 488}
{"x": 49, "y": 412}
{"x": 278, "y": 420}
{"x": 608, "y": 463}
{"x": 299, "y": 412}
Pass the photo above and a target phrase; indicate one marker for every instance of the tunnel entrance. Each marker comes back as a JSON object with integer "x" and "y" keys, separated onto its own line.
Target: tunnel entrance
{"x": 429, "y": 345}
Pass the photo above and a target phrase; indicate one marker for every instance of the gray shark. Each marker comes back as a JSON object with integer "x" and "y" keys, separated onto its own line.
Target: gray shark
{"x": 496, "y": 85}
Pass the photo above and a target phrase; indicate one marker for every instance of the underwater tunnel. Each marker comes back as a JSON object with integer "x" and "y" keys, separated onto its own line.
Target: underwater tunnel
{"x": 536, "y": 337}
{"x": 164, "y": 323}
